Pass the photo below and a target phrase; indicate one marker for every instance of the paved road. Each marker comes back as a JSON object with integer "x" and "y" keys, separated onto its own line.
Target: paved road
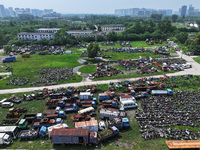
{"x": 195, "y": 70}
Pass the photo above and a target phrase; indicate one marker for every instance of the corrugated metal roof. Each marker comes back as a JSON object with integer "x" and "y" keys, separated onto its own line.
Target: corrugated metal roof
{"x": 127, "y": 96}
{"x": 86, "y": 123}
{"x": 70, "y": 132}
{"x": 102, "y": 94}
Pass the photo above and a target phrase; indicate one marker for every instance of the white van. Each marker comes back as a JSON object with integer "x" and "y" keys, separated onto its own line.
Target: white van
{"x": 7, "y": 104}
{"x": 128, "y": 104}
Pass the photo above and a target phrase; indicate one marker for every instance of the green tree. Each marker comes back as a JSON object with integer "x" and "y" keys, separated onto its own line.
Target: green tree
{"x": 7, "y": 49}
{"x": 112, "y": 36}
{"x": 92, "y": 50}
{"x": 100, "y": 38}
{"x": 174, "y": 18}
{"x": 156, "y": 17}
{"x": 182, "y": 37}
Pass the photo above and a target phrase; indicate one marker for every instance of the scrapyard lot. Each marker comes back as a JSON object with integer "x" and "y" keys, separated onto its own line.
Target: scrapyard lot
{"x": 126, "y": 136}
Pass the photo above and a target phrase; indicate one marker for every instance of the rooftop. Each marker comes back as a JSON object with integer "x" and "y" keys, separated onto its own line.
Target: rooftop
{"x": 70, "y": 132}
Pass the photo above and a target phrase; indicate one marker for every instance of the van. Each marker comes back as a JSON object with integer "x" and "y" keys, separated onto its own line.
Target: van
{"x": 3, "y": 100}
{"x": 128, "y": 104}
{"x": 7, "y": 104}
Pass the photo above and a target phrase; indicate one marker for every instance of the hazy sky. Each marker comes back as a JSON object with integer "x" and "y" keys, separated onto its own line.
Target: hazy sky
{"x": 97, "y": 6}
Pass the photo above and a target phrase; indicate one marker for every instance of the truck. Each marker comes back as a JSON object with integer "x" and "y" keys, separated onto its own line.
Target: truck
{"x": 120, "y": 123}
{"x": 79, "y": 117}
{"x": 28, "y": 134}
{"x": 49, "y": 111}
{"x": 60, "y": 114}
{"x": 110, "y": 103}
{"x": 105, "y": 136}
{"x": 111, "y": 114}
{"x": 58, "y": 126}
{"x": 104, "y": 96}
{"x": 5, "y": 139}
{"x": 90, "y": 111}
{"x": 53, "y": 103}
{"x": 73, "y": 136}
{"x": 13, "y": 131}
{"x": 72, "y": 108}
{"x": 162, "y": 92}
{"x": 26, "y": 55}
{"x": 42, "y": 132}
{"x": 141, "y": 95}
{"x": 9, "y": 59}
{"x": 44, "y": 122}
{"x": 23, "y": 124}
{"x": 30, "y": 117}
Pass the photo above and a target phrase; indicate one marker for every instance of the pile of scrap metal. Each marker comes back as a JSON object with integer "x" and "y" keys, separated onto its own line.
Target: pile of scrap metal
{"x": 104, "y": 70}
{"x": 18, "y": 81}
{"x": 51, "y": 75}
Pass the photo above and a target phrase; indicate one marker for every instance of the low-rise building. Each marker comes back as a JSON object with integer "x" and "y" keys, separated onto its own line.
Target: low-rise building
{"x": 112, "y": 28}
{"x": 83, "y": 33}
{"x": 26, "y": 36}
{"x": 48, "y": 30}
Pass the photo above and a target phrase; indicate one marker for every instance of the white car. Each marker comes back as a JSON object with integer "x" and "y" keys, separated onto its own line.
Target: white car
{"x": 102, "y": 125}
{"x": 7, "y": 104}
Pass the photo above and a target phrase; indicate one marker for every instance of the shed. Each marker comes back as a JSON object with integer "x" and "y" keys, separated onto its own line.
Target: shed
{"x": 70, "y": 136}
{"x": 126, "y": 97}
{"x": 91, "y": 125}
{"x": 85, "y": 95}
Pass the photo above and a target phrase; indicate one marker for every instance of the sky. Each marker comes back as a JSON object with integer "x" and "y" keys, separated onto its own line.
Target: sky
{"x": 97, "y": 6}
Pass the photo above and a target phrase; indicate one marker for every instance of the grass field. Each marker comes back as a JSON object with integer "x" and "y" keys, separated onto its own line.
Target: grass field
{"x": 134, "y": 44}
{"x": 119, "y": 56}
{"x": 29, "y": 67}
{"x": 127, "y": 136}
{"x": 179, "y": 25}
{"x": 88, "y": 69}
{"x": 197, "y": 59}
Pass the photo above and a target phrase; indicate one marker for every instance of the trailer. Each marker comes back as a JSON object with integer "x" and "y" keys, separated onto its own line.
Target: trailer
{"x": 162, "y": 92}
{"x": 108, "y": 114}
{"x": 49, "y": 111}
{"x": 28, "y": 134}
{"x": 91, "y": 125}
{"x": 60, "y": 114}
{"x": 70, "y": 136}
{"x": 30, "y": 117}
{"x": 53, "y": 103}
{"x": 85, "y": 96}
{"x": 44, "y": 122}
{"x": 13, "y": 131}
{"x": 90, "y": 111}
{"x": 9, "y": 59}
{"x": 104, "y": 96}
{"x": 120, "y": 123}
{"x": 78, "y": 117}
{"x": 105, "y": 137}
{"x": 9, "y": 122}
{"x": 110, "y": 103}
{"x": 58, "y": 126}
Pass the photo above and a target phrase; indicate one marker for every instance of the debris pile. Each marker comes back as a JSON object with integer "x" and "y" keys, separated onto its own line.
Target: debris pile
{"x": 18, "y": 81}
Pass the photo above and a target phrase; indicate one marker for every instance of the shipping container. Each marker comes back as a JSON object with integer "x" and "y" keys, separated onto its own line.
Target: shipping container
{"x": 70, "y": 136}
{"x": 91, "y": 125}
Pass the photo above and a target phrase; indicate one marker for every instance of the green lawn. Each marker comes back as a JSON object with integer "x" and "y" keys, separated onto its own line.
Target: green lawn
{"x": 197, "y": 59}
{"x": 29, "y": 67}
{"x": 88, "y": 69}
{"x": 119, "y": 56}
{"x": 144, "y": 44}
{"x": 179, "y": 25}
